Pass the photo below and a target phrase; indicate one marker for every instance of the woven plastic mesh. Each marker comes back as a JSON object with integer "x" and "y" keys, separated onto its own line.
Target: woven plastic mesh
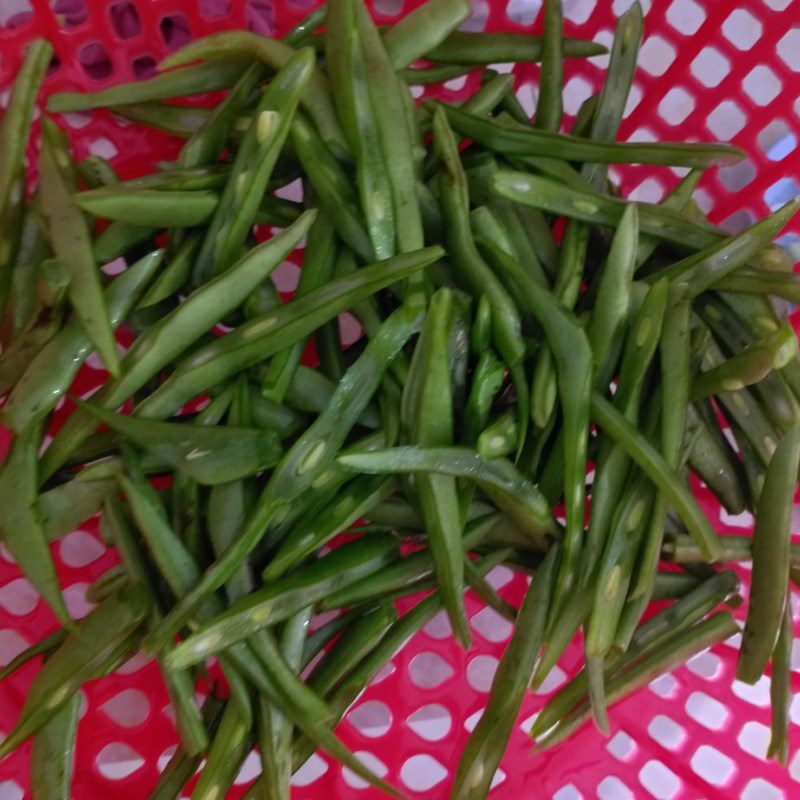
{"x": 709, "y": 69}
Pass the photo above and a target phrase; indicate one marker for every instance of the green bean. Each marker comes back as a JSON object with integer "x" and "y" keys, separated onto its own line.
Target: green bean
{"x": 481, "y": 755}
{"x": 688, "y": 610}
{"x": 306, "y": 26}
{"x": 208, "y": 454}
{"x": 182, "y": 121}
{"x": 613, "y": 299}
{"x": 426, "y": 417}
{"x": 549, "y": 109}
{"x": 255, "y": 159}
{"x": 313, "y": 532}
{"x": 174, "y": 276}
{"x": 228, "y": 750}
{"x": 332, "y": 186}
{"x": 702, "y": 270}
{"x": 770, "y": 579}
{"x": 682, "y": 550}
{"x": 749, "y": 366}
{"x": 53, "y": 753}
{"x": 227, "y": 47}
{"x": 534, "y": 142}
{"x": 282, "y": 598}
{"x": 673, "y": 652}
{"x": 481, "y": 330}
{"x": 422, "y": 29}
{"x": 21, "y": 524}
{"x": 406, "y": 571}
{"x": 761, "y": 281}
{"x": 96, "y": 172}
{"x": 151, "y": 209}
{"x": 72, "y": 245}
{"x": 350, "y": 649}
{"x": 497, "y": 478}
{"x": 194, "y": 79}
{"x": 472, "y": 269}
{"x": 436, "y": 74}
{"x": 306, "y": 463}
{"x": 106, "y": 585}
{"x": 100, "y": 642}
{"x": 172, "y": 334}
{"x": 119, "y": 238}
{"x": 487, "y": 592}
{"x": 33, "y": 248}
{"x": 463, "y": 47}
{"x": 500, "y": 438}
{"x": 53, "y": 369}
{"x": 656, "y": 468}
{"x": 780, "y": 689}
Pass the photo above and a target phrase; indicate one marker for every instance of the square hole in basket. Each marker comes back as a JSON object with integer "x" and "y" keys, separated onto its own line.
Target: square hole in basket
{"x": 523, "y": 12}
{"x": 742, "y": 29}
{"x": 175, "y": 31}
{"x": 261, "y": 17}
{"x": 659, "y": 780}
{"x": 676, "y": 105}
{"x": 706, "y": 710}
{"x": 125, "y": 20}
{"x": 95, "y": 61}
{"x": 387, "y": 8}
{"x": 14, "y": 13}
{"x": 737, "y": 176}
{"x": 612, "y": 788}
{"x": 621, "y": 746}
{"x": 776, "y": 140}
{"x": 656, "y": 56}
{"x": 759, "y": 789}
{"x": 576, "y": 90}
{"x": 712, "y": 766}
{"x": 686, "y": 16}
{"x": 754, "y": 739}
{"x": 726, "y": 120}
{"x": 144, "y": 67}
{"x": 214, "y": 8}
{"x": 780, "y": 192}
{"x": 666, "y": 732}
{"x": 578, "y": 11}
{"x": 789, "y": 49}
{"x": 70, "y": 13}
{"x": 568, "y": 792}
{"x": 710, "y": 66}
{"x": 762, "y": 85}
{"x": 737, "y": 222}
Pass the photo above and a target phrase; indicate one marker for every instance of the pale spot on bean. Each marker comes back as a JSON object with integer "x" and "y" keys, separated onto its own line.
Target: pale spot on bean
{"x": 267, "y": 122}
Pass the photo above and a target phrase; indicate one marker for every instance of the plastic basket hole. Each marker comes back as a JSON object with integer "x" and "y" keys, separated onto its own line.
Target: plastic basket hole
{"x": 711, "y": 765}
{"x": 491, "y": 626}
{"x": 780, "y": 192}
{"x": 612, "y": 788}
{"x": 710, "y": 66}
{"x": 286, "y": 276}
{"x": 579, "y": 11}
{"x": 707, "y": 711}
{"x": 568, "y": 792}
{"x": 656, "y": 56}
{"x": 129, "y": 709}
{"x": 480, "y": 672}
{"x": 634, "y": 98}
{"x": 432, "y": 722}
{"x": 11, "y": 790}
{"x": 759, "y": 789}
{"x": 473, "y": 719}
{"x": 789, "y": 49}
{"x": 250, "y": 769}
{"x": 738, "y": 221}
{"x": 261, "y": 17}
{"x": 95, "y": 61}
{"x": 125, "y": 20}
{"x": 707, "y": 665}
{"x": 576, "y": 90}
{"x": 387, "y": 8}
{"x": 777, "y": 5}
{"x": 429, "y": 670}
{"x": 742, "y": 29}
{"x": 422, "y": 772}
{"x": 372, "y": 719}
{"x": 794, "y": 767}
{"x": 11, "y": 645}
{"x": 439, "y": 626}
{"x": 554, "y": 679}
{"x": 523, "y": 12}
{"x": 737, "y": 176}
{"x": 776, "y": 140}
{"x": 214, "y": 8}
{"x": 476, "y": 21}
{"x": 116, "y": 761}
{"x": 79, "y": 548}
{"x": 527, "y": 95}
{"x": 371, "y": 761}
{"x": 665, "y": 685}
{"x": 621, "y": 6}
{"x": 311, "y": 771}
{"x": 726, "y": 120}
{"x": 754, "y": 739}
{"x": 762, "y": 85}
{"x": 18, "y": 597}
{"x": 668, "y": 733}
{"x": 686, "y": 16}
{"x": 70, "y": 13}
{"x": 648, "y": 191}
{"x": 499, "y": 577}
{"x": 175, "y": 31}
{"x": 621, "y": 746}
{"x": 15, "y": 13}
{"x": 350, "y": 329}
{"x": 166, "y": 757}
{"x": 659, "y": 780}
{"x": 144, "y": 68}
{"x": 676, "y": 105}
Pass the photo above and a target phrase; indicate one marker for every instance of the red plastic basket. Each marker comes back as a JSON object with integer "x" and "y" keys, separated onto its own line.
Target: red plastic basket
{"x": 708, "y": 70}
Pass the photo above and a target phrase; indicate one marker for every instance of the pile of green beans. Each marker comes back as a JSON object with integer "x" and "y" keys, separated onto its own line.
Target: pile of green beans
{"x": 519, "y": 322}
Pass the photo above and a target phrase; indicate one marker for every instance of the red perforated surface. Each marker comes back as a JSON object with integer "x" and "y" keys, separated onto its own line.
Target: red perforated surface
{"x": 708, "y": 70}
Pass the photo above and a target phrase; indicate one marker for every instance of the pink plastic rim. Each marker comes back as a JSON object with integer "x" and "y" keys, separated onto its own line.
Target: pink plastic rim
{"x": 708, "y": 70}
